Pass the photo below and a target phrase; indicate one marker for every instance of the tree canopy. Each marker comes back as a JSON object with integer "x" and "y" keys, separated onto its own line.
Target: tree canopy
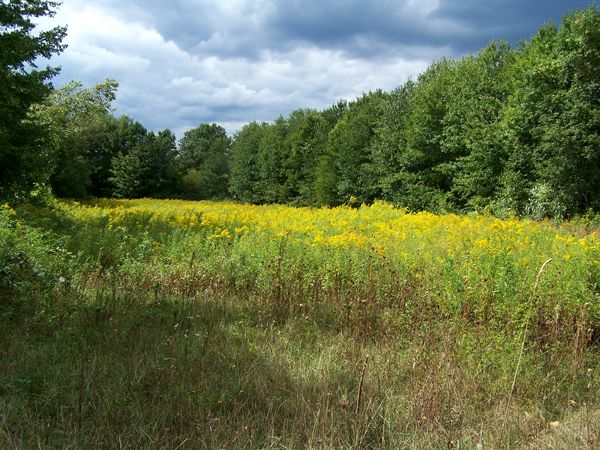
{"x": 202, "y": 162}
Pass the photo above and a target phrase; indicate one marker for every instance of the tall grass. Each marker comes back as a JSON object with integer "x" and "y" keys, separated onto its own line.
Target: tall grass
{"x": 158, "y": 324}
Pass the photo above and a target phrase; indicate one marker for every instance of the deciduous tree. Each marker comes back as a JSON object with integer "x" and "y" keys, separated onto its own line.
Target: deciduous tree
{"x": 23, "y": 83}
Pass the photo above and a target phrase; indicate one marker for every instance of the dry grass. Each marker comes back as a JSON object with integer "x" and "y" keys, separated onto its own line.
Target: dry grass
{"x": 195, "y": 364}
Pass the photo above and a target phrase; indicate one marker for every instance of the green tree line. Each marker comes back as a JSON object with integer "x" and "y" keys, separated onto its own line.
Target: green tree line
{"x": 508, "y": 129}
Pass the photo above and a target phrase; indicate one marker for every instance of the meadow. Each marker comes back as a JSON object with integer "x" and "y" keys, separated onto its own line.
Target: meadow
{"x": 179, "y": 324}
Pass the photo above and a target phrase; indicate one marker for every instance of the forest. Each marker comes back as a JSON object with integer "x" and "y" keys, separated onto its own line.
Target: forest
{"x": 507, "y": 130}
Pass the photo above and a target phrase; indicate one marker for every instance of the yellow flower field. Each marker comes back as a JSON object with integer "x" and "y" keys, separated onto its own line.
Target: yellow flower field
{"x": 461, "y": 263}
{"x": 381, "y": 228}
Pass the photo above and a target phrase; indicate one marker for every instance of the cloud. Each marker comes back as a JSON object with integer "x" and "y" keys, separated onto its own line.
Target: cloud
{"x": 186, "y": 62}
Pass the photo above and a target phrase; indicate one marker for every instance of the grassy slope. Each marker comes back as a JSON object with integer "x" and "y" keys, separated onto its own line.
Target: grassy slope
{"x": 161, "y": 340}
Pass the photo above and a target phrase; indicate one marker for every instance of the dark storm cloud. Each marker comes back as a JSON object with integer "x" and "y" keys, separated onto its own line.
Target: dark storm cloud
{"x": 378, "y": 26}
{"x": 512, "y": 20}
{"x": 364, "y": 29}
{"x": 461, "y": 26}
{"x": 368, "y": 30}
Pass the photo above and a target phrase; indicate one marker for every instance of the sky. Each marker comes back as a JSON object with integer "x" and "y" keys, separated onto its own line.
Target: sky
{"x": 180, "y": 63}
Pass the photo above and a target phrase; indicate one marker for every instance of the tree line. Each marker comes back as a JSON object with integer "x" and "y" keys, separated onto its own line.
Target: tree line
{"x": 508, "y": 129}
{"x": 101, "y": 155}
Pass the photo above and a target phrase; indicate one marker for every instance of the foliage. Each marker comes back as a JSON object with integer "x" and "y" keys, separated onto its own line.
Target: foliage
{"x": 266, "y": 326}
{"x": 243, "y": 163}
{"x": 149, "y": 169}
{"x": 272, "y": 153}
{"x": 472, "y": 135}
{"x": 553, "y": 117}
{"x": 203, "y": 162}
{"x": 30, "y": 263}
{"x": 77, "y": 119}
{"x": 113, "y": 138}
{"x": 22, "y": 83}
{"x": 349, "y": 145}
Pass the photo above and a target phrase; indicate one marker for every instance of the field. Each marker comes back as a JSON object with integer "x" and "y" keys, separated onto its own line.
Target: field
{"x": 174, "y": 324}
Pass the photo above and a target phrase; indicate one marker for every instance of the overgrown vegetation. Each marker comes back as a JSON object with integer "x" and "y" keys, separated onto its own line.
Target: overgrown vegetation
{"x": 165, "y": 323}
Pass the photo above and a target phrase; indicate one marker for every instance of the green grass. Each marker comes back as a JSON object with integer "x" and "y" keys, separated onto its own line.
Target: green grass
{"x": 107, "y": 344}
